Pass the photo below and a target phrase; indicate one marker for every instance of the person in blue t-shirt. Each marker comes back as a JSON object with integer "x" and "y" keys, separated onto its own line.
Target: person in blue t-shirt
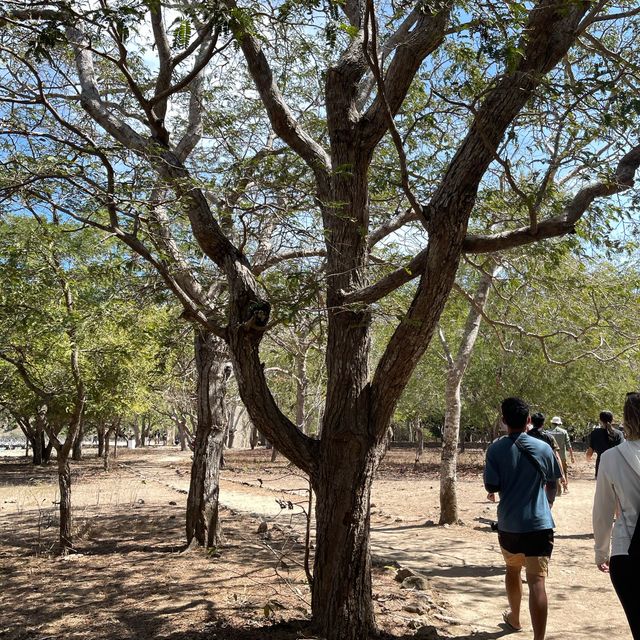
{"x": 519, "y": 467}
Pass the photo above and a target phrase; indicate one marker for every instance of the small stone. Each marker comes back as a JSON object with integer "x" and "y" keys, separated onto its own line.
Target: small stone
{"x": 415, "y": 582}
{"x": 263, "y": 527}
{"x": 429, "y": 632}
{"x": 141, "y": 501}
{"x": 173, "y": 502}
{"x": 403, "y": 573}
{"x": 416, "y": 607}
{"x": 399, "y": 520}
{"x": 447, "y": 619}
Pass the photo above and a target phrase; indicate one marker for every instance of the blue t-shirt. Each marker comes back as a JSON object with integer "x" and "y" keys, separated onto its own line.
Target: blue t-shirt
{"x": 523, "y": 505}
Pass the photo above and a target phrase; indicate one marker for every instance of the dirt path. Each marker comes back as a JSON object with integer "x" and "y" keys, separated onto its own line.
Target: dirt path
{"x": 465, "y": 564}
{"x": 132, "y": 519}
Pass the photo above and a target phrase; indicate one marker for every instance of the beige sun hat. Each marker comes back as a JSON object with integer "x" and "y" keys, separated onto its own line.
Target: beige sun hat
{"x": 556, "y": 420}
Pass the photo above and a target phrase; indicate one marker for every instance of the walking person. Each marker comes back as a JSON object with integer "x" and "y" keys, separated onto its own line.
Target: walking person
{"x": 618, "y": 490}
{"x": 561, "y": 436}
{"x": 518, "y": 467}
{"x": 537, "y": 422}
{"x": 603, "y": 437}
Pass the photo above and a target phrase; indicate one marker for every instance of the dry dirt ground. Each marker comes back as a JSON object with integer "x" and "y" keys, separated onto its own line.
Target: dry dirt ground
{"x": 131, "y": 577}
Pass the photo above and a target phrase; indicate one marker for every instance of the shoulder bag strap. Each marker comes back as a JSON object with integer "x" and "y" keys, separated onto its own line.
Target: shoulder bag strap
{"x": 530, "y": 457}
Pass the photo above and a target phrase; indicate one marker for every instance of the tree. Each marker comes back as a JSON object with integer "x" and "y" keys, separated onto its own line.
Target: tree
{"x": 60, "y": 398}
{"x": 479, "y": 67}
{"x": 456, "y": 368}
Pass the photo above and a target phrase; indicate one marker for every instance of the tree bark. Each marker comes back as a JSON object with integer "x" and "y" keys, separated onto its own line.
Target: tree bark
{"x": 449, "y": 457}
{"x": 77, "y": 443}
{"x": 341, "y": 590}
{"x": 100, "y": 430}
{"x": 40, "y": 453}
{"x": 202, "y": 523}
{"x": 107, "y": 447}
{"x": 64, "y": 483}
{"x": 419, "y": 445}
{"x": 38, "y": 448}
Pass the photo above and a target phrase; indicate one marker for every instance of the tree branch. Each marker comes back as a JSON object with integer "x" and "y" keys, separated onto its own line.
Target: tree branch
{"x": 565, "y": 223}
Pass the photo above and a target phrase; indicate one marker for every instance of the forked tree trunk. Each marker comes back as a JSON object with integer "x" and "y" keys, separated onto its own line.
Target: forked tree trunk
{"x": 202, "y": 523}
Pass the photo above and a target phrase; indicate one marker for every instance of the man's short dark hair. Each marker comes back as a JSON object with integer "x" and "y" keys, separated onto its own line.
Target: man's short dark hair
{"x": 537, "y": 419}
{"x": 515, "y": 412}
{"x": 606, "y": 417}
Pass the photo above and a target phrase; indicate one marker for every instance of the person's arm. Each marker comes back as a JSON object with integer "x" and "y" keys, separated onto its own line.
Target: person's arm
{"x": 573, "y": 458}
{"x": 491, "y": 475}
{"x": 551, "y": 489}
{"x": 604, "y": 507}
{"x": 559, "y": 461}
{"x": 589, "y": 453}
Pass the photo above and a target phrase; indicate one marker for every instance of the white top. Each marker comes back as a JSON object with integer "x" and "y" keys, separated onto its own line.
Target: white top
{"x": 617, "y": 482}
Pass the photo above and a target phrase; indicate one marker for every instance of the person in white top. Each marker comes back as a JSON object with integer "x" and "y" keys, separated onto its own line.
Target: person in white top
{"x": 618, "y": 490}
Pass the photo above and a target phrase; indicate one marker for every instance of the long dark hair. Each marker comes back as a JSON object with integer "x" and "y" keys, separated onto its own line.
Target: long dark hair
{"x": 632, "y": 416}
{"x": 606, "y": 417}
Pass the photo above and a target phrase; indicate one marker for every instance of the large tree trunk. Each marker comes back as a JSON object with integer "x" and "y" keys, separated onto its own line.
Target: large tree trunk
{"x": 64, "y": 483}
{"x": 341, "y": 590}
{"x": 202, "y": 524}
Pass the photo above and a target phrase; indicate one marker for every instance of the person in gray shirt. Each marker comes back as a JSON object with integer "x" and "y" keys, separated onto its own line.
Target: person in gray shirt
{"x": 561, "y": 436}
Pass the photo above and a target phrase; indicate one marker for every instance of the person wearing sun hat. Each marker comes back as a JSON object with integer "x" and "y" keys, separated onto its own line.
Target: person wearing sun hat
{"x": 561, "y": 436}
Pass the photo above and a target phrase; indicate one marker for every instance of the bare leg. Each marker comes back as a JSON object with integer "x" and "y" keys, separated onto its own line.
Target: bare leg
{"x": 513, "y": 584}
{"x": 537, "y": 605}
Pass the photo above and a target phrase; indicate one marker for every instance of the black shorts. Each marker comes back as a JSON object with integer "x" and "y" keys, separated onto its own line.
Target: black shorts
{"x": 532, "y": 543}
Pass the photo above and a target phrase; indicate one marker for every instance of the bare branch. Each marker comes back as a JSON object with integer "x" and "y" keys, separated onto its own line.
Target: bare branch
{"x": 565, "y": 223}
{"x": 372, "y": 59}
{"x": 281, "y": 117}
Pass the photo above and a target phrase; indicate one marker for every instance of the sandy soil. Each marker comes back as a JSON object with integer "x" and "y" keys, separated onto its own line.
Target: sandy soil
{"x": 132, "y": 577}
